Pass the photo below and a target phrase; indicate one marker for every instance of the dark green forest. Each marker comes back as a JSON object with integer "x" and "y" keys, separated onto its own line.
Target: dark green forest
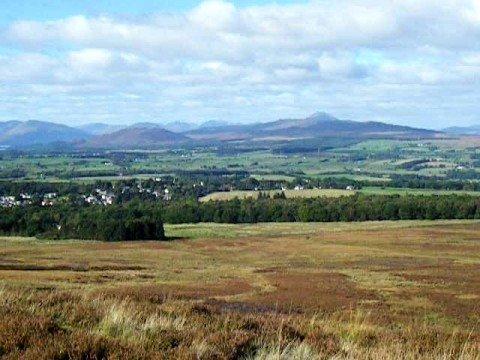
{"x": 133, "y": 221}
{"x": 353, "y": 208}
{"x": 139, "y": 220}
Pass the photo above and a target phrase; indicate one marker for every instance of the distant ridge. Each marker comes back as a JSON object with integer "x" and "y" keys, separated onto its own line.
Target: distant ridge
{"x": 318, "y": 125}
{"x": 463, "y": 130}
{"x": 180, "y": 126}
{"x": 212, "y": 124}
{"x": 34, "y": 132}
{"x": 100, "y": 128}
{"x": 141, "y": 135}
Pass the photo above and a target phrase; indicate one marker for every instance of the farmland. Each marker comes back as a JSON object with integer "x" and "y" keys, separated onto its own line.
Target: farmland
{"x": 371, "y": 160}
{"x": 379, "y": 290}
{"x": 330, "y": 193}
{"x": 289, "y": 194}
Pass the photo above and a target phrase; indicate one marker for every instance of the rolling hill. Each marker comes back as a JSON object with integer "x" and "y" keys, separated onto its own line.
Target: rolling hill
{"x": 100, "y": 128}
{"x": 318, "y": 128}
{"x": 180, "y": 126}
{"x": 319, "y": 125}
{"x": 33, "y": 132}
{"x": 142, "y": 135}
{"x": 463, "y": 130}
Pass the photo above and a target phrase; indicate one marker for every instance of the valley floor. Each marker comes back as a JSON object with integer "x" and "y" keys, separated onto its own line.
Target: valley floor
{"x": 379, "y": 290}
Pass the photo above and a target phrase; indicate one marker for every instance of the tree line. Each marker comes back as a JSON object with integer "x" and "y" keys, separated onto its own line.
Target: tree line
{"x": 359, "y": 207}
{"x": 133, "y": 221}
{"x": 143, "y": 220}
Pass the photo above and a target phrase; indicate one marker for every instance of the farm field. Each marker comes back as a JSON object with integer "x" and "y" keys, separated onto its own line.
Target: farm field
{"x": 332, "y": 193}
{"x": 378, "y": 161}
{"x": 289, "y": 194}
{"x": 377, "y": 290}
{"x": 406, "y": 191}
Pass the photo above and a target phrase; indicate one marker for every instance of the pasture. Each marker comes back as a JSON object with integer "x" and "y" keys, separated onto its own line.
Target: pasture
{"x": 407, "y": 191}
{"x": 331, "y": 193}
{"x": 379, "y": 290}
{"x": 289, "y": 194}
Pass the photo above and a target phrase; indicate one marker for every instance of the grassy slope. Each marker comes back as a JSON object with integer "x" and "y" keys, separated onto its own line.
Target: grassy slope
{"x": 387, "y": 290}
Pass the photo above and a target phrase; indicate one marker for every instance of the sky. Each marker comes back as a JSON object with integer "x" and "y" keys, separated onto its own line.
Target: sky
{"x": 125, "y": 61}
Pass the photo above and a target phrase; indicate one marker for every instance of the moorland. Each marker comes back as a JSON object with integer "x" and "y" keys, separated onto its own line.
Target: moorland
{"x": 380, "y": 290}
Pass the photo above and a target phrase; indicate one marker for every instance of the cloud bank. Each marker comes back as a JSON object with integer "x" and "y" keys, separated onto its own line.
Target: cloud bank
{"x": 402, "y": 61}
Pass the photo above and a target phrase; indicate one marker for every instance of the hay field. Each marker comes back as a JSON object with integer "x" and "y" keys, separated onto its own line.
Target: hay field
{"x": 289, "y": 194}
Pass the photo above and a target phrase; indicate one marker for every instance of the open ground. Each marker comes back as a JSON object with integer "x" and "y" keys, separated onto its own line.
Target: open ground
{"x": 389, "y": 290}
{"x": 330, "y": 193}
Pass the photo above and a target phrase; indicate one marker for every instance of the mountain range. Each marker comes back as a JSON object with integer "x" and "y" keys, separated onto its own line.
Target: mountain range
{"x": 34, "y": 132}
{"x": 143, "y": 135}
{"x": 466, "y": 130}
{"x": 99, "y": 128}
{"x": 181, "y": 126}
{"x": 147, "y": 135}
{"x": 318, "y": 125}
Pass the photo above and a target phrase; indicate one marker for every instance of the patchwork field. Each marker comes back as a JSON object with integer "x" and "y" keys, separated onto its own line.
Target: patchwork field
{"x": 390, "y": 290}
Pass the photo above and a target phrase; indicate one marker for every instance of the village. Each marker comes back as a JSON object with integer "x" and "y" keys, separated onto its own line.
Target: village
{"x": 99, "y": 196}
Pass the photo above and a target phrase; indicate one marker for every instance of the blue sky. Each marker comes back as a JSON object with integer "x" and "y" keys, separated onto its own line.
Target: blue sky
{"x": 13, "y": 10}
{"x": 399, "y": 61}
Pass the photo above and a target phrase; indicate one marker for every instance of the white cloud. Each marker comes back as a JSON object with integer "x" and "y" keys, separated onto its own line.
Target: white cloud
{"x": 241, "y": 60}
{"x": 213, "y": 15}
{"x": 25, "y": 68}
{"x": 341, "y": 66}
{"x": 90, "y": 59}
{"x": 472, "y": 12}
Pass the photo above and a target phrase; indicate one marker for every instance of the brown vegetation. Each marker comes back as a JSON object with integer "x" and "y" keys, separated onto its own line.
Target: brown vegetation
{"x": 343, "y": 292}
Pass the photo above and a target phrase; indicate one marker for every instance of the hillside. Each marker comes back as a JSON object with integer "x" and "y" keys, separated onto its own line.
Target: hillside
{"x": 465, "y": 130}
{"x": 319, "y": 125}
{"x": 100, "y": 128}
{"x": 180, "y": 126}
{"x": 33, "y": 132}
{"x": 143, "y": 135}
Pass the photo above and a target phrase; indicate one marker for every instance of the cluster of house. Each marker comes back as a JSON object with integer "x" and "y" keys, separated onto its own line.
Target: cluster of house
{"x": 97, "y": 197}
{"x": 26, "y": 199}
{"x": 8, "y": 201}
{"x": 100, "y": 197}
{"x": 158, "y": 194}
{"x": 49, "y": 199}
{"x": 106, "y": 197}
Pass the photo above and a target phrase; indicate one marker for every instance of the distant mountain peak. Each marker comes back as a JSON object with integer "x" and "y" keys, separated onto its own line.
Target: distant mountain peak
{"x": 99, "y": 128}
{"x": 141, "y": 135}
{"x": 214, "y": 124}
{"x": 180, "y": 126}
{"x": 463, "y": 130}
{"x": 322, "y": 116}
{"x": 36, "y": 132}
{"x": 144, "y": 125}
{"x": 318, "y": 125}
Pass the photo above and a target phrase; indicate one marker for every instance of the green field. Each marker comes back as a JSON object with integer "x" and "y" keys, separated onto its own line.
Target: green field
{"x": 372, "y": 160}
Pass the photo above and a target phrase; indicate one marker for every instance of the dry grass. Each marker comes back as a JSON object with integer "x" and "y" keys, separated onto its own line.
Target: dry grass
{"x": 290, "y": 194}
{"x": 325, "y": 291}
